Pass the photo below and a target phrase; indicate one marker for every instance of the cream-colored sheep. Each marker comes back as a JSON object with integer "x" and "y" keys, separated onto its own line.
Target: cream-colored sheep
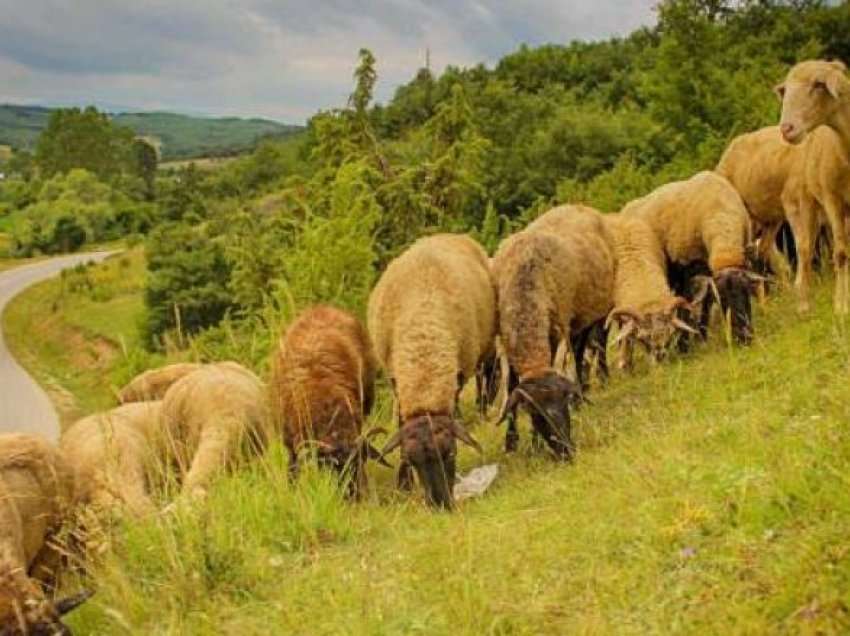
{"x": 815, "y": 93}
{"x": 212, "y": 419}
{"x": 113, "y": 458}
{"x": 703, "y": 220}
{"x": 645, "y": 308}
{"x": 432, "y": 321}
{"x": 807, "y": 183}
{"x": 555, "y": 281}
{"x": 152, "y": 385}
{"x": 36, "y": 494}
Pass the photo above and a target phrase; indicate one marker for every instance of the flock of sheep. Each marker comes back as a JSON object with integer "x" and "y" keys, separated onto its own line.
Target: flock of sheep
{"x": 441, "y": 314}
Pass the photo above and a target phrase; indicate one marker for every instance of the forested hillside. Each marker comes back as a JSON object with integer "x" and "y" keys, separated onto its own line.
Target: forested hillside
{"x": 178, "y": 136}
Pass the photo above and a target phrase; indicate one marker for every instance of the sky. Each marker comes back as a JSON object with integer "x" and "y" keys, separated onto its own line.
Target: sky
{"x": 281, "y": 59}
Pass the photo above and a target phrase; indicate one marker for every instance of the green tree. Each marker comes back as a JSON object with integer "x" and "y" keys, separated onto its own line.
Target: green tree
{"x": 144, "y": 163}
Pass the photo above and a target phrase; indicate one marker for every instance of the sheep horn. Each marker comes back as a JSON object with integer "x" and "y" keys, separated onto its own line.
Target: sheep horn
{"x": 463, "y": 435}
{"x": 705, "y": 283}
{"x": 680, "y": 303}
{"x": 71, "y": 603}
{"x": 509, "y": 406}
{"x": 617, "y": 312}
{"x": 625, "y": 332}
{"x": 374, "y": 453}
{"x": 681, "y": 324}
{"x": 392, "y": 443}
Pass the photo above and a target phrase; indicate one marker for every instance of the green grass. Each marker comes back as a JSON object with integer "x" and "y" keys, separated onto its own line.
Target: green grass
{"x": 72, "y": 332}
{"x": 709, "y": 495}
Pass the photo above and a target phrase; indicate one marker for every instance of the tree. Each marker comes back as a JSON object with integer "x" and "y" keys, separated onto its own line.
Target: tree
{"x": 84, "y": 139}
{"x": 145, "y": 162}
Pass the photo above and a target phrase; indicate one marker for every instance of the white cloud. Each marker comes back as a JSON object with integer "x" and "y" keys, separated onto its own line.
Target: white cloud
{"x": 261, "y": 57}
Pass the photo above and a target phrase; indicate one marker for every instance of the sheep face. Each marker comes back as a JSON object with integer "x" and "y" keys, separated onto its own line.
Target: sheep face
{"x": 429, "y": 444}
{"x": 656, "y": 332}
{"x": 734, "y": 288}
{"x": 547, "y": 400}
{"x": 811, "y": 96}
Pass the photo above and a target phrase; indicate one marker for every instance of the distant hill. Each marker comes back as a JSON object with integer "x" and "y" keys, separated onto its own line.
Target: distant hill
{"x": 179, "y": 136}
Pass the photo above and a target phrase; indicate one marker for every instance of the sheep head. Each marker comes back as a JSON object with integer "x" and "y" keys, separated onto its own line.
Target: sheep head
{"x": 346, "y": 453}
{"x": 25, "y": 612}
{"x": 654, "y": 331}
{"x": 734, "y": 288}
{"x": 811, "y": 96}
{"x": 547, "y": 400}
{"x": 428, "y": 442}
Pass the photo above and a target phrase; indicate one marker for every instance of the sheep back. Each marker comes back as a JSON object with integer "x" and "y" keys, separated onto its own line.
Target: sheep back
{"x": 700, "y": 219}
{"x": 324, "y": 369}
{"x": 432, "y": 317}
{"x": 152, "y": 385}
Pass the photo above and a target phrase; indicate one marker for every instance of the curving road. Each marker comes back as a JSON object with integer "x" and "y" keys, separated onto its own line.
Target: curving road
{"x": 24, "y": 406}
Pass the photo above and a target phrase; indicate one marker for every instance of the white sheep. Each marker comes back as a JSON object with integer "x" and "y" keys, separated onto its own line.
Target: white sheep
{"x": 432, "y": 320}
{"x": 212, "y": 419}
{"x": 113, "y": 457}
{"x": 36, "y": 494}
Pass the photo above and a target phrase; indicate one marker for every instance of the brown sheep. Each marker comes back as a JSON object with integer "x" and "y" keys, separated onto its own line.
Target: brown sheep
{"x": 213, "y": 419}
{"x": 703, "y": 225}
{"x": 432, "y": 320}
{"x": 555, "y": 281}
{"x": 113, "y": 457}
{"x": 36, "y": 493}
{"x": 152, "y": 385}
{"x": 323, "y": 388}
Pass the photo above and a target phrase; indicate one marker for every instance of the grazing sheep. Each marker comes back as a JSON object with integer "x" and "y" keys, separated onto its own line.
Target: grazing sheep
{"x": 802, "y": 183}
{"x": 587, "y": 222}
{"x": 646, "y": 310}
{"x": 323, "y": 388}
{"x": 555, "y": 282}
{"x": 113, "y": 457}
{"x": 702, "y": 222}
{"x": 432, "y": 319}
{"x": 36, "y": 491}
{"x": 212, "y": 419}
{"x": 152, "y": 385}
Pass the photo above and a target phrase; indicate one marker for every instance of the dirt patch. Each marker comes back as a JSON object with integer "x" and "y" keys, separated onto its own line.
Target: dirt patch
{"x": 90, "y": 352}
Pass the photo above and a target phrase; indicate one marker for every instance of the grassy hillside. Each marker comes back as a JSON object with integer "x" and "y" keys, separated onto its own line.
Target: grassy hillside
{"x": 710, "y": 495}
{"x": 180, "y": 136}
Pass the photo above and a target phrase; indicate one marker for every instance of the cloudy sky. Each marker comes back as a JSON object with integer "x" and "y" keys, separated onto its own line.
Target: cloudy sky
{"x": 282, "y": 59}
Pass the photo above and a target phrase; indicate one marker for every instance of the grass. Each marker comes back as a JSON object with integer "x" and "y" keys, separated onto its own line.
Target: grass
{"x": 71, "y": 332}
{"x": 709, "y": 495}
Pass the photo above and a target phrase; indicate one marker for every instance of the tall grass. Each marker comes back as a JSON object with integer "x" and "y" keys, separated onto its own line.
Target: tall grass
{"x": 708, "y": 495}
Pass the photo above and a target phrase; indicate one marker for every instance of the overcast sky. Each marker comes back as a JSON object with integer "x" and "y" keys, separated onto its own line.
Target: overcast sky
{"x": 282, "y": 59}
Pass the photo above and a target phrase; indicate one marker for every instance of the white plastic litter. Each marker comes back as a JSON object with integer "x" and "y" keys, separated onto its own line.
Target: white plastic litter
{"x": 476, "y": 482}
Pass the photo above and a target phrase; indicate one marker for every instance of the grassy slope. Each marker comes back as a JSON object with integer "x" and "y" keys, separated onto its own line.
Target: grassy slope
{"x": 709, "y": 495}
{"x": 73, "y": 342}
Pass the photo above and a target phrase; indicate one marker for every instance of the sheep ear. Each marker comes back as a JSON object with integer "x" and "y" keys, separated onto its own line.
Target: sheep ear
{"x": 463, "y": 435}
{"x": 393, "y": 443}
{"x": 71, "y": 603}
{"x": 834, "y": 82}
{"x": 779, "y": 91}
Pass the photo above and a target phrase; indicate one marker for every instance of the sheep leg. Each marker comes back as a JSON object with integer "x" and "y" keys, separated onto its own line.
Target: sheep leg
{"x": 511, "y": 434}
{"x": 768, "y": 252}
{"x": 579, "y": 346}
{"x": 404, "y": 480}
{"x": 600, "y": 345}
{"x": 214, "y": 449}
{"x": 803, "y": 220}
{"x": 837, "y": 224}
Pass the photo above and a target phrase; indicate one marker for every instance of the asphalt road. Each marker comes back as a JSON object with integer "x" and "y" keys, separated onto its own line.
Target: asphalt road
{"x": 24, "y": 406}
